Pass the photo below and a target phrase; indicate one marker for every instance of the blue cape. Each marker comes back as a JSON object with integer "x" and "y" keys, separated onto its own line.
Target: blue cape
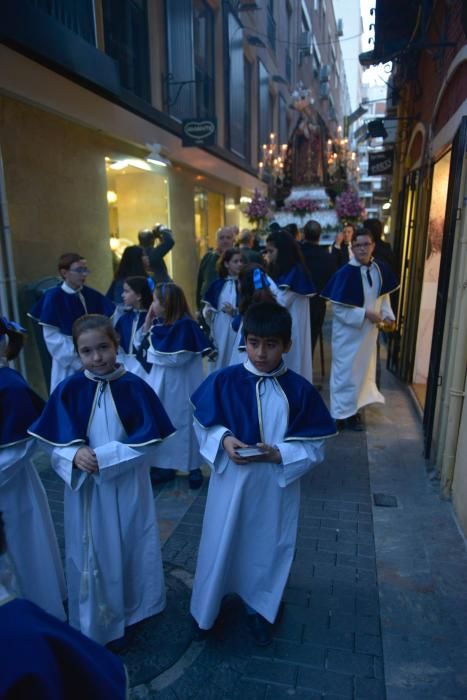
{"x": 214, "y": 291}
{"x": 66, "y": 415}
{"x": 19, "y": 406}
{"x": 183, "y": 335}
{"x": 345, "y": 286}
{"x": 46, "y": 659}
{"x": 124, "y": 326}
{"x": 228, "y": 398}
{"x": 297, "y": 280}
{"x": 60, "y": 309}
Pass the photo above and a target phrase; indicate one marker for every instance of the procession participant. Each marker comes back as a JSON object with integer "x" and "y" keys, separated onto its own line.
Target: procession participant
{"x": 207, "y": 272}
{"x": 137, "y": 298}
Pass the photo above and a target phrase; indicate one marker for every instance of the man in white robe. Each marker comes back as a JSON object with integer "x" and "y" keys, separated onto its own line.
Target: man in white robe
{"x": 359, "y": 292}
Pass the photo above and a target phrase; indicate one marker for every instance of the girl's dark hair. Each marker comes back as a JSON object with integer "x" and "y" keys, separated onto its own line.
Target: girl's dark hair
{"x": 140, "y": 286}
{"x": 268, "y": 319}
{"x": 94, "y": 322}
{"x": 15, "y": 341}
{"x": 288, "y": 253}
{"x": 173, "y": 299}
{"x": 249, "y": 293}
{"x": 131, "y": 263}
{"x": 226, "y": 257}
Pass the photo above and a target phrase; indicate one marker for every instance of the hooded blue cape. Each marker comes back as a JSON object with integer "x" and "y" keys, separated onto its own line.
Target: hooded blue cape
{"x": 297, "y": 280}
{"x": 214, "y": 291}
{"x": 67, "y": 413}
{"x": 346, "y": 287}
{"x": 46, "y": 659}
{"x": 19, "y": 406}
{"x": 228, "y": 397}
{"x": 182, "y": 336}
{"x": 60, "y": 309}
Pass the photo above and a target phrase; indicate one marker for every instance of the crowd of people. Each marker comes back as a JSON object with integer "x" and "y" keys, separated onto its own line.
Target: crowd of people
{"x": 130, "y": 402}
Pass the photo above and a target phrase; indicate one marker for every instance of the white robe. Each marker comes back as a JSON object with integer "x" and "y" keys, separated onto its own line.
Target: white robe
{"x": 299, "y": 357}
{"x": 113, "y": 560}
{"x": 250, "y": 522}
{"x": 174, "y": 377}
{"x": 354, "y": 338}
{"x": 32, "y": 544}
{"x": 221, "y": 325}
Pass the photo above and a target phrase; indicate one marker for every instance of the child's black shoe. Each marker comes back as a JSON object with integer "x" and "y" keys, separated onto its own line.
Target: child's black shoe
{"x": 195, "y": 479}
{"x": 260, "y": 629}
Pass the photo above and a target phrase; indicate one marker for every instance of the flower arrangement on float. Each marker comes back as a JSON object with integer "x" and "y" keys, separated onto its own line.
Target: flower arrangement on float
{"x": 349, "y": 207}
{"x": 301, "y": 205}
{"x": 258, "y": 211}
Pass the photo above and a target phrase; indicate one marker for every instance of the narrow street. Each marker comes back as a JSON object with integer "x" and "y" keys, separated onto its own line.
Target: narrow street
{"x": 371, "y": 610}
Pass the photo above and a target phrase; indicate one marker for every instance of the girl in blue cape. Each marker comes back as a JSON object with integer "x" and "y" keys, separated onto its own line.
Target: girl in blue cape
{"x": 104, "y": 426}
{"x": 287, "y": 269}
{"x": 221, "y": 304}
{"x": 137, "y": 298}
{"x": 176, "y": 347}
{"x": 34, "y": 552}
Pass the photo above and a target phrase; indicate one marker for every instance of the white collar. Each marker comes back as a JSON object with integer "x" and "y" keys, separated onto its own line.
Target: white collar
{"x": 69, "y": 290}
{"x": 279, "y": 371}
{"x": 116, "y": 373}
{"x": 355, "y": 263}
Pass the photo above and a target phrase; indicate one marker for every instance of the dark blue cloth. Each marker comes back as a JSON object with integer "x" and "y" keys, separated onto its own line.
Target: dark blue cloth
{"x": 19, "y": 407}
{"x": 45, "y": 659}
{"x": 214, "y": 291}
{"x": 297, "y": 280}
{"x": 346, "y": 287}
{"x": 228, "y": 398}
{"x": 183, "y": 335}
{"x": 66, "y": 415}
{"x": 60, "y": 309}
{"x": 124, "y": 327}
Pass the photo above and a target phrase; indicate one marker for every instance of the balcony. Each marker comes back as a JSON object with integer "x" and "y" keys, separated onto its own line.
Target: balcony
{"x": 271, "y": 31}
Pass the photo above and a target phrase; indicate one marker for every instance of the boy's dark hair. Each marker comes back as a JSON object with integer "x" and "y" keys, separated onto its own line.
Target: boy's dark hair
{"x": 66, "y": 260}
{"x": 94, "y": 322}
{"x": 363, "y": 232}
{"x": 140, "y": 286}
{"x": 268, "y": 319}
{"x": 312, "y": 231}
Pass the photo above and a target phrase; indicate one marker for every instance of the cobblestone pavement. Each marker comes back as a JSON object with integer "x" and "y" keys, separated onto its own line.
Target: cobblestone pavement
{"x": 328, "y": 640}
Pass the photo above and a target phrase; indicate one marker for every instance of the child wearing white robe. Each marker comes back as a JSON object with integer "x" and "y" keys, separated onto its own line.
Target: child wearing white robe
{"x": 113, "y": 560}
{"x": 33, "y": 547}
{"x": 220, "y": 304}
{"x": 137, "y": 298}
{"x": 250, "y": 523}
{"x": 176, "y": 347}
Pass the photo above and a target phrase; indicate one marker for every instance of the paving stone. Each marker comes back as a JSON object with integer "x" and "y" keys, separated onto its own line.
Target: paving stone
{"x": 371, "y": 689}
{"x": 350, "y": 663}
{"x": 331, "y": 639}
{"x": 325, "y": 682}
{"x": 302, "y": 654}
{"x": 271, "y": 672}
{"x": 277, "y": 693}
{"x": 369, "y": 644}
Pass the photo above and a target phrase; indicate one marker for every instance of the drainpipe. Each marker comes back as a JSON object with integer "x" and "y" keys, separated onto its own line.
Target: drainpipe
{"x": 456, "y": 390}
{"x": 8, "y": 290}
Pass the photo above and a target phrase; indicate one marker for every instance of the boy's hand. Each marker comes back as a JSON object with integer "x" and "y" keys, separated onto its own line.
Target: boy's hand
{"x": 86, "y": 460}
{"x": 270, "y": 454}
{"x": 148, "y": 321}
{"x": 228, "y": 309}
{"x": 230, "y": 444}
{"x": 373, "y": 316}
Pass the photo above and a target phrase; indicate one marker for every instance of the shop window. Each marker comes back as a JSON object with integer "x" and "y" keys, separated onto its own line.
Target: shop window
{"x": 209, "y": 217}
{"x": 78, "y": 17}
{"x": 126, "y": 41}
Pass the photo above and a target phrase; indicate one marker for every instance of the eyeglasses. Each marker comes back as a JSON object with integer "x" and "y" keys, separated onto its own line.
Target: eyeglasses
{"x": 80, "y": 270}
{"x": 361, "y": 245}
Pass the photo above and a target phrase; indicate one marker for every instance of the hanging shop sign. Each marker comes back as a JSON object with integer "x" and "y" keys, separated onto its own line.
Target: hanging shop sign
{"x": 381, "y": 163}
{"x": 199, "y": 132}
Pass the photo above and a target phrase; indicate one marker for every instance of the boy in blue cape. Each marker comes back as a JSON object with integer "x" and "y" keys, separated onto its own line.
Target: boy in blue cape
{"x": 261, "y": 427}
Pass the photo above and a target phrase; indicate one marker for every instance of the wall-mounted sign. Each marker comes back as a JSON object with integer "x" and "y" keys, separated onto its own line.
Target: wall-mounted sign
{"x": 381, "y": 163}
{"x": 199, "y": 132}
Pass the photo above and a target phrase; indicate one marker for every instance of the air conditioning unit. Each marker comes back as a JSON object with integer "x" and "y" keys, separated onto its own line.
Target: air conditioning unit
{"x": 340, "y": 27}
{"x": 324, "y": 73}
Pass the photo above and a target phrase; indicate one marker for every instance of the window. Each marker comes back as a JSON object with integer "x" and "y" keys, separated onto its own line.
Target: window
{"x": 190, "y": 59}
{"x": 264, "y": 107}
{"x": 283, "y": 126}
{"x": 78, "y": 17}
{"x": 126, "y": 41}
{"x": 239, "y": 91}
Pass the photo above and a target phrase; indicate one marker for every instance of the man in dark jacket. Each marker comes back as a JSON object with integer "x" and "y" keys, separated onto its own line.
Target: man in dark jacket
{"x": 156, "y": 253}
{"x": 321, "y": 265}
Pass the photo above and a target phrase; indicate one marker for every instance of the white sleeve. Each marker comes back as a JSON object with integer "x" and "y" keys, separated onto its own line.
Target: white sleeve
{"x": 210, "y": 446}
{"x": 61, "y": 348}
{"x": 139, "y": 337}
{"x": 349, "y": 315}
{"x": 386, "y": 308}
{"x": 208, "y": 312}
{"x": 115, "y": 458}
{"x": 11, "y": 459}
{"x": 172, "y": 359}
{"x": 298, "y": 457}
{"x": 62, "y": 462}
